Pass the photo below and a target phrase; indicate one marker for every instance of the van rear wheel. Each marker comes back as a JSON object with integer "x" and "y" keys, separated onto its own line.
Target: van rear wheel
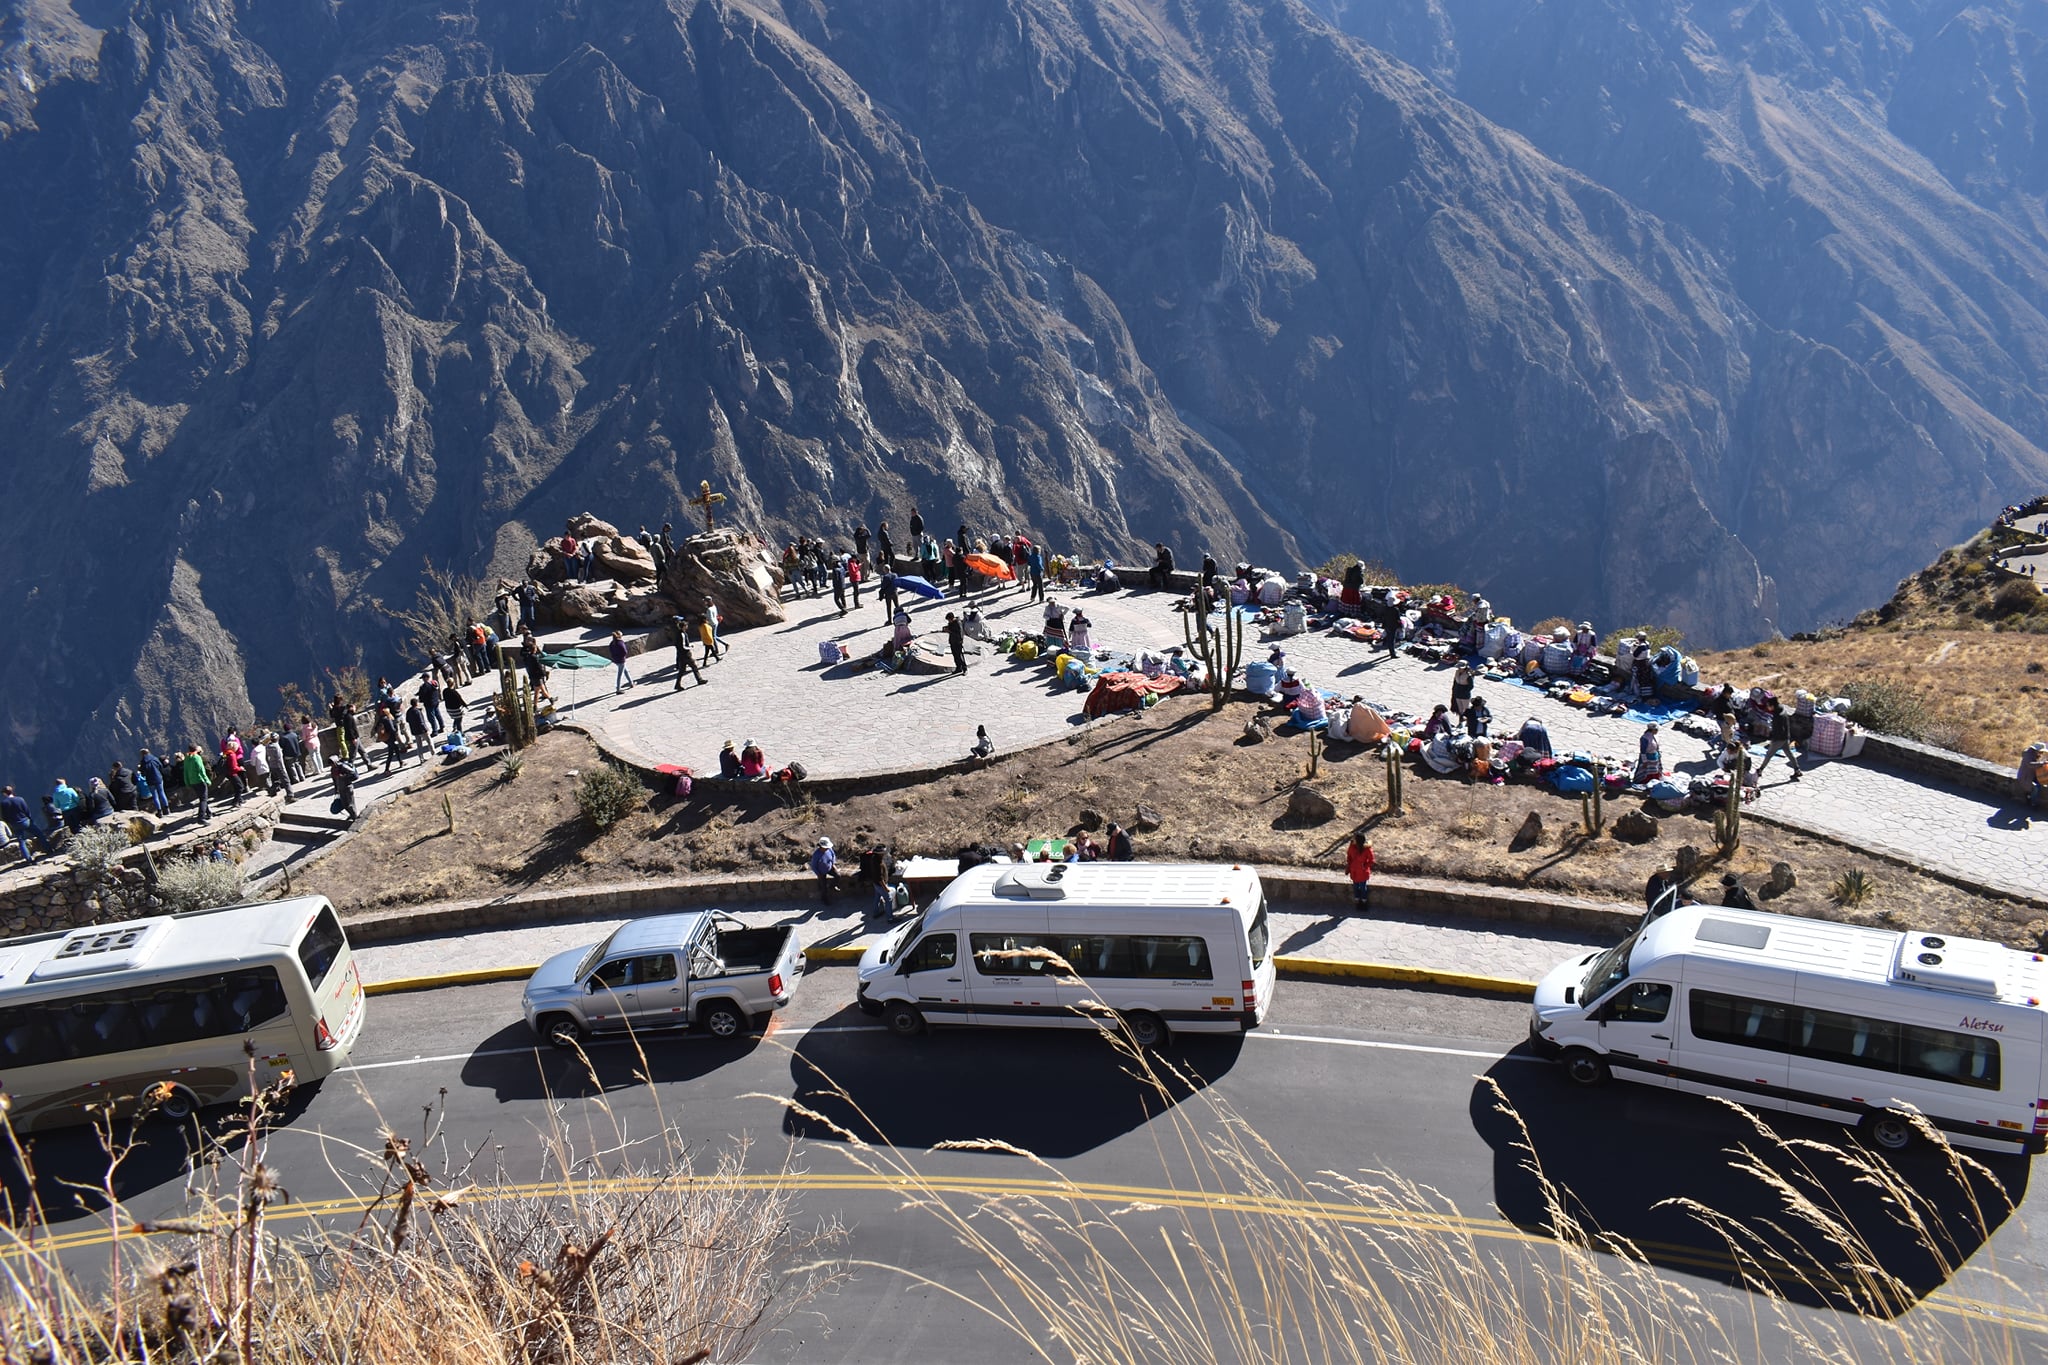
{"x": 177, "y": 1105}
{"x": 1888, "y": 1131}
{"x": 1148, "y": 1030}
{"x": 903, "y": 1020}
{"x": 1585, "y": 1068}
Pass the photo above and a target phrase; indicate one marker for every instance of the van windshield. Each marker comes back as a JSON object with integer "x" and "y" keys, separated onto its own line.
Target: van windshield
{"x": 1609, "y": 970}
{"x": 904, "y": 939}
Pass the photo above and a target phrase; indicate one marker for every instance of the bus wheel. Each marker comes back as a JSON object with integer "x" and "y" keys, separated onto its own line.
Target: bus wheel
{"x": 1585, "y": 1068}
{"x": 722, "y": 1019}
{"x": 1889, "y": 1131}
{"x": 177, "y": 1105}
{"x": 1148, "y": 1030}
{"x": 903, "y": 1020}
{"x": 561, "y": 1031}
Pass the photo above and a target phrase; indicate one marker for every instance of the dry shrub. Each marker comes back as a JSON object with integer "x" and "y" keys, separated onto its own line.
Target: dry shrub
{"x": 608, "y": 794}
{"x": 1473, "y": 824}
{"x": 626, "y": 1254}
{"x": 198, "y": 883}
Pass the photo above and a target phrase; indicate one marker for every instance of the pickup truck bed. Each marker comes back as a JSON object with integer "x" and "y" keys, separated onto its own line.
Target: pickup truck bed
{"x": 750, "y": 950}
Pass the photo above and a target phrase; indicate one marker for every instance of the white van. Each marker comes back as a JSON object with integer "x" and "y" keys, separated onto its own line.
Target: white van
{"x": 1166, "y": 946}
{"x": 1863, "y": 1026}
{"x": 97, "y": 1016}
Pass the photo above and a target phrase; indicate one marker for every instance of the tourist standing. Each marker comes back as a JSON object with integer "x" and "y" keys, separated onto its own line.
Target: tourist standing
{"x": 344, "y": 779}
{"x": 684, "y": 659}
{"x": 1461, "y": 688}
{"x": 715, "y": 623}
{"x": 280, "y": 769}
{"x": 429, "y": 694}
{"x": 860, "y": 544}
{"x": 1120, "y": 850}
{"x": 148, "y": 766}
{"x": 885, "y": 592}
{"x": 885, "y": 548}
{"x": 231, "y": 766}
{"x": 839, "y": 584}
{"x": 416, "y": 725}
{"x": 956, "y": 640}
{"x": 386, "y": 733}
{"x": 193, "y": 769}
{"x": 21, "y": 823}
{"x": 1034, "y": 562}
{"x": 624, "y": 679}
{"x": 916, "y": 525}
{"x": 1358, "y": 866}
{"x": 121, "y": 786}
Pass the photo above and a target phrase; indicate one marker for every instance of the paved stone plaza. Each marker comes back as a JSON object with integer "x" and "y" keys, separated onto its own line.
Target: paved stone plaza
{"x": 772, "y": 688}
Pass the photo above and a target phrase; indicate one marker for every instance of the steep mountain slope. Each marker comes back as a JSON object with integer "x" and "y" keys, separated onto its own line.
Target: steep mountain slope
{"x": 299, "y": 295}
{"x": 1871, "y": 176}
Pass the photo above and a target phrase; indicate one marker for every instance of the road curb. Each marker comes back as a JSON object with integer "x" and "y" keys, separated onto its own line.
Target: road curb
{"x": 1337, "y": 969}
{"x": 398, "y": 985}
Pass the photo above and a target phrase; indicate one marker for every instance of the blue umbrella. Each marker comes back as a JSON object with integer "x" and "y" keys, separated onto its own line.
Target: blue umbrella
{"x": 919, "y": 586}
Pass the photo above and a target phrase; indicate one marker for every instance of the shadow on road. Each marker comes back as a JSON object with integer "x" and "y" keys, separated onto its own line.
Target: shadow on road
{"x": 1053, "y": 1092}
{"x": 1620, "y": 1157}
{"x": 604, "y": 1067}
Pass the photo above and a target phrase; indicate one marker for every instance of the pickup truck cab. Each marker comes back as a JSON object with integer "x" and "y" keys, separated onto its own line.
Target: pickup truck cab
{"x": 666, "y": 971}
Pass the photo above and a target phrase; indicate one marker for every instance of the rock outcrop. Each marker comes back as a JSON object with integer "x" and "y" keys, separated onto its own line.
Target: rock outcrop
{"x": 730, "y": 569}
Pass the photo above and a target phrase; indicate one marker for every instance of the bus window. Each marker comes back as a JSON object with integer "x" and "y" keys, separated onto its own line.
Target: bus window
{"x": 321, "y": 946}
{"x": 1939, "y": 1055}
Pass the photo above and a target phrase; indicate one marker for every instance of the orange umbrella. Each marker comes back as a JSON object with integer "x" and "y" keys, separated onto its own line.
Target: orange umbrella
{"x": 989, "y": 566}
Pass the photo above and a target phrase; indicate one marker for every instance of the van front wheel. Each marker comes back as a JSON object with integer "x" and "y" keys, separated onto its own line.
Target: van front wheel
{"x": 1585, "y": 1068}
{"x": 1888, "y": 1131}
{"x": 903, "y": 1020}
{"x": 1147, "y": 1029}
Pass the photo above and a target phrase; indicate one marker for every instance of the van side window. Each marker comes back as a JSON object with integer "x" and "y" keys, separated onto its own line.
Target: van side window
{"x": 1644, "y": 1002}
{"x": 1012, "y": 955}
{"x": 1848, "y": 1039}
{"x": 932, "y": 952}
{"x": 1718, "y": 1018}
{"x": 152, "y": 1016}
{"x": 1182, "y": 956}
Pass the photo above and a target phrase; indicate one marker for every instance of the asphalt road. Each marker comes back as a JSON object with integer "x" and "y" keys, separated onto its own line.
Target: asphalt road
{"x": 1343, "y": 1079}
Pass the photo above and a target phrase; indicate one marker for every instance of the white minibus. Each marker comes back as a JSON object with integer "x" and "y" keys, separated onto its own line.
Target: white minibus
{"x": 1835, "y": 1021}
{"x": 1166, "y": 946}
{"x": 95, "y": 1016}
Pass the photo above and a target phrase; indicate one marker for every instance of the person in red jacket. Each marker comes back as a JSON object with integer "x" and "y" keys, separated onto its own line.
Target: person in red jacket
{"x": 1358, "y": 864}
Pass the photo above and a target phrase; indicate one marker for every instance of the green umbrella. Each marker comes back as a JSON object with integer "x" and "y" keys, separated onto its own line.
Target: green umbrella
{"x": 575, "y": 658}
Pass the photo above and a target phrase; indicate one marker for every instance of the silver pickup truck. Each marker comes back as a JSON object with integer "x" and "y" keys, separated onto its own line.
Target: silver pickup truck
{"x": 666, "y": 971}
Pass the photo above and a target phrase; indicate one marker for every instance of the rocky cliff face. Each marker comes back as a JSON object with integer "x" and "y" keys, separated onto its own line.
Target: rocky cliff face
{"x": 295, "y": 296}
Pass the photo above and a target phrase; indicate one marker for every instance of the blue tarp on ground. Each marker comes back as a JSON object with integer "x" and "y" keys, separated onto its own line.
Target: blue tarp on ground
{"x": 1657, "y": 712}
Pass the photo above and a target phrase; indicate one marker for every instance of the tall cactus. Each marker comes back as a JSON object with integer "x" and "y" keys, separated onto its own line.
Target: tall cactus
{"x": 1728, "y": 820}
{"x": 515, "y": 708}
{"x": 1220, "y": 650}
{"x": 1392, "y": 753}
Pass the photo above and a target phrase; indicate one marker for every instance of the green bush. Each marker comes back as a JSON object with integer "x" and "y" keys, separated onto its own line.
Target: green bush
{"x": 1852, "y": 888}
{"x": 608, "y": 794}
{"x": 198, "y": 884}
{"x": 1888, "y": 708}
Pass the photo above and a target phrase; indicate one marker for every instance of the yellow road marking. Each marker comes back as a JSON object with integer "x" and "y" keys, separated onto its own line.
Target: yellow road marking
{"x": 1093, "y": 1192}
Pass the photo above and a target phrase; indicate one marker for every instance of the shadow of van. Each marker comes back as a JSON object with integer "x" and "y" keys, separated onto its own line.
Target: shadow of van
{"x": 1053, "y": 1092}
{"x": 1636, "y": 1163}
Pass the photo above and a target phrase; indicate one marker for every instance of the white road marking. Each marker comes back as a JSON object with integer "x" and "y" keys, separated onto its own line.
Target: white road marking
{"x": 1267, "y": 1035}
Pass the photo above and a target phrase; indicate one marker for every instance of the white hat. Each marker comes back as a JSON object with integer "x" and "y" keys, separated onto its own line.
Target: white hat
{"x": 824, "y": 843}
{"x": 749, "y": 744}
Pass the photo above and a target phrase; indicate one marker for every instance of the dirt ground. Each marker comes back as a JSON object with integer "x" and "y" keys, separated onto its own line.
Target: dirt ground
{"x": 1218, "y": 796}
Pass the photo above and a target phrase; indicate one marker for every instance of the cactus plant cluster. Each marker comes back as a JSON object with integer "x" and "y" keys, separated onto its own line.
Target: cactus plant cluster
{"x": 1221, "y": 650}
{"x": 515, "y": 707}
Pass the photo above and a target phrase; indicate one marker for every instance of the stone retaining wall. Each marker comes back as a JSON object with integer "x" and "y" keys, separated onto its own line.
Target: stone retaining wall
{"x": 1422, "y": 895}
{"x": 53, "y": 896}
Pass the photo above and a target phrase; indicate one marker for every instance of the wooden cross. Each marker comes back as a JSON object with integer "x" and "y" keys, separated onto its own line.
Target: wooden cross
{"x": 707, "y": 502}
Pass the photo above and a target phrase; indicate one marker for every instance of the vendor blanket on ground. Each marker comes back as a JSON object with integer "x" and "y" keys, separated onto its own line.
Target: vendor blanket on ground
{"x": 1126, "y": 692}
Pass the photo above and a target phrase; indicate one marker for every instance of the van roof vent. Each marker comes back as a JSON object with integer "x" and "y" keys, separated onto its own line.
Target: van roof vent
{"x": 1034, "y": 881}
{"x": 1967, "y": 966}
{"x": 1733, "y": 933}
{"x": 106, "y": 948}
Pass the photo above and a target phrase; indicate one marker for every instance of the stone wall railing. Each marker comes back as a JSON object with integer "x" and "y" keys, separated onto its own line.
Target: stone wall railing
{"x": 55, "y": 894}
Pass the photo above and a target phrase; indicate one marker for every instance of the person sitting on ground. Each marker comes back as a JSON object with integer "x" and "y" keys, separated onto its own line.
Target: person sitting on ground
{"x": 1105, "y": 577}
{"x": 753, "y": 763}
{"x": 1177, "y": 662}
{"x": 729, "y": 761}
{"x": 455, "y": 744}
{"x": 1440, "y": 723}
{"x": 984, "y": 748}
{"x": 975, "y": 626}
{"x": 1079, "y": 641}
{"x": 900, "y": 639}
{"x": 1084, "y": 849}
{"x": 2033, "y": 771}
{"x": 1291, "y": 689}
{"x": 1478, "y": 717}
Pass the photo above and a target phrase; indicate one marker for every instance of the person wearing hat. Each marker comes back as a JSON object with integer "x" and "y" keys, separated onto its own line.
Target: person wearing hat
{"x": 2033, "y": 764}
{"x": 1584, "y": 645}
{"x": 729, "y": 762}
{"x": 1649, "y": 757}
{"x": 753, "y": 763}
{"x": 825, "y": 867}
